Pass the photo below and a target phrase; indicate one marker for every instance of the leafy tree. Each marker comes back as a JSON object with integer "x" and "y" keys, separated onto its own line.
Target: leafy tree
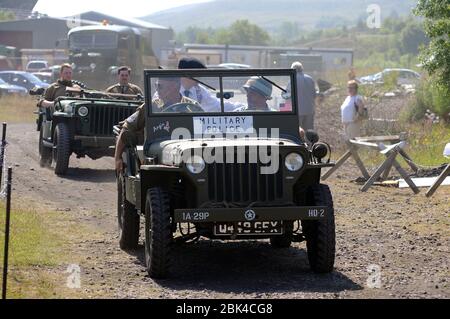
{"x": 412, "y": 37}
{"x": 245, "y": 33}
{"x": 6, "y": 15}
{"x": 436, "y": 57}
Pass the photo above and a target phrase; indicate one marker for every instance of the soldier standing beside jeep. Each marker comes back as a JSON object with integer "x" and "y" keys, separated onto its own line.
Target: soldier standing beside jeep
{"x": 58, "y": 88}
{"x": 124, "y": 86}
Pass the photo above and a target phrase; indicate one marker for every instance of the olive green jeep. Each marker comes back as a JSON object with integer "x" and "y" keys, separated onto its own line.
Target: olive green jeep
{"x": 81, "y": 123}
{"x": 229, "y": 165}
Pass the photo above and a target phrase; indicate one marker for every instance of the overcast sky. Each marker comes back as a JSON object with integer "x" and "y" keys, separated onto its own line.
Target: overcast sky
{"x": 126, "y": 9}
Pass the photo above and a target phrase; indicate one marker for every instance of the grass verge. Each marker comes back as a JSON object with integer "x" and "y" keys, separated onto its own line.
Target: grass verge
{"x": 16, "y": 109}
{"x": 38, "y": 254}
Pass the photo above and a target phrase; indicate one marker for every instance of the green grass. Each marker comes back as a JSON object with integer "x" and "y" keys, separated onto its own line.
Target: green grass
{"x": 17, "y": 109}
{"x": 31, "y": 242}
{"x": 37, "y": 254}
{"x": 425, "y": 147}
{"x": 427, "y": 142}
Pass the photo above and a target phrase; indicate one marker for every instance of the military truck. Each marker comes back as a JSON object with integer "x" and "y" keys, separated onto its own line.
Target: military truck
{"x": 81, "y": 123}
{"x": 96, "y": 52}
{"x": 242, "y": 171}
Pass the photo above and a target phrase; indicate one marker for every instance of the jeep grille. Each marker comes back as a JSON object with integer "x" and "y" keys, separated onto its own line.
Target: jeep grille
{"x": 243, "y": 183}
{"x": 104, "y": 117}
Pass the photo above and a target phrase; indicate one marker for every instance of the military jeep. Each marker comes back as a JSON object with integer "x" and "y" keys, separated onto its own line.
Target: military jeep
{"x": 81, "y": 123}
{"x": 242, "y": 171}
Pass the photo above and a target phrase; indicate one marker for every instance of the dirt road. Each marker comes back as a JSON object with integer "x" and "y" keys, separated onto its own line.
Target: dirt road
{"x": 403, "y": 238}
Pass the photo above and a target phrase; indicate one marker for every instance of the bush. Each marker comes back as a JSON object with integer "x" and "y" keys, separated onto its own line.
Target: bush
{"x": 429, "y": 96}
{"x": 390, "y": 81}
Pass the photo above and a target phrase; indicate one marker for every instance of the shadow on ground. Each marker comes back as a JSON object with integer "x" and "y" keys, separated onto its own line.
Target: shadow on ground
{"x": 246, "y": 267}
{"x": 91, "y": 175}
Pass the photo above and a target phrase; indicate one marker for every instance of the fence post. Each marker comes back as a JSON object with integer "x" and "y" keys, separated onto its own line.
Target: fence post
{"x": 7, "y": 227}
{"x": 2, "y": 152}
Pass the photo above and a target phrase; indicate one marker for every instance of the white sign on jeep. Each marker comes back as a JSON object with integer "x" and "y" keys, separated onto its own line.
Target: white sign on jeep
{"x": 223, "y": 125}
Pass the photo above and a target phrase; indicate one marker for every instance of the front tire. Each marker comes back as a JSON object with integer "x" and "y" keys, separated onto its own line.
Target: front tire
{"x": 128, "y": 219}
{"x": 61, "y": 149}
{"x": 320, "y": 234}
{"x": 158, "y": 233}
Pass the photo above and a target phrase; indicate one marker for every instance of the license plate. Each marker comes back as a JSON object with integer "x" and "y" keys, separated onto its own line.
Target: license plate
{"x": 249, "y": 229}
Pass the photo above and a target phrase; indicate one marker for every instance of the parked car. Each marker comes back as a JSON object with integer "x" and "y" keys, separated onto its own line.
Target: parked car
{"x": 35, "y": 66}
{"x": 23, "y": 79}
{"x": 225, "y": 66}
{"x": 46, "y": 77}
{"x": 405, "y": 76}
{"x": 8, "y": 89}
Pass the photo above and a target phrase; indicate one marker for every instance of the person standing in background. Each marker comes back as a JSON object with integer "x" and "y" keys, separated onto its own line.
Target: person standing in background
{"x": 306, "y": 95}
{"x": 350, "y": 110}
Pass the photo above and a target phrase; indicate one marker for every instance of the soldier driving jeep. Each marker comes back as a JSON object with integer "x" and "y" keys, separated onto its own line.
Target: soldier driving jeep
{"x": 58, "y": 88}
{"x": 167, "y": 95}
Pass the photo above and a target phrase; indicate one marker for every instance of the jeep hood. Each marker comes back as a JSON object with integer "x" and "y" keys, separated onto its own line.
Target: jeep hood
{"x": 170, "y": 152}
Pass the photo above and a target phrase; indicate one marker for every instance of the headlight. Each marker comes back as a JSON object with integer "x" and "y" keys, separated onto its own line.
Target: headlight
{"x": 195, "y": 164}
{"x": 83, "y": 111}
{"x": 294, "y": 162}
{"x": 93, "y": 66}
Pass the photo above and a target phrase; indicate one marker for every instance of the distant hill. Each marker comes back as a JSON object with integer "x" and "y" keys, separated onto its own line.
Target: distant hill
{"x": 21, "y": 4}
{"x": 270, "y": 14}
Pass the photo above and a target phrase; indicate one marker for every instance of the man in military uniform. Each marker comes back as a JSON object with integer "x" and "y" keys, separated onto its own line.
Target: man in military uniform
{"x": 58, "y": 88}
{"x": 168, "y": 94}
{"x": 124, "y": 86}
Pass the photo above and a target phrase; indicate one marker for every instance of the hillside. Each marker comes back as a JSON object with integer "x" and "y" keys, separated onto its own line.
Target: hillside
{"x": 14, "y": 4}
{"x": 269, "y": 14}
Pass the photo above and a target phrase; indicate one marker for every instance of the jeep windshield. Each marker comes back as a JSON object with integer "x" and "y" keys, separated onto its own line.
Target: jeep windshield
{"x": 90, "y": 39}
{"x": 219, "y": 91}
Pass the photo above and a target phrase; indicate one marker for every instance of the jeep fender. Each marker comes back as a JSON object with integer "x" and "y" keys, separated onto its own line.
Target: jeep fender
{"x": 155, "y": 176}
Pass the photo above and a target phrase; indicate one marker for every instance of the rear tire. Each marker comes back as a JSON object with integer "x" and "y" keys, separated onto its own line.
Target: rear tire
{"x": 61, "y": 148}
{"x": 45, "y": 153}
{"x": 128, "y": 219}
{"x": 158, "y": 233}
{"x": 320, "y": 234}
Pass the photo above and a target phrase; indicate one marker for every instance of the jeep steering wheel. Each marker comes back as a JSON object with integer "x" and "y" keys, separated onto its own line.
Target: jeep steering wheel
{"x": 183, "y": 108}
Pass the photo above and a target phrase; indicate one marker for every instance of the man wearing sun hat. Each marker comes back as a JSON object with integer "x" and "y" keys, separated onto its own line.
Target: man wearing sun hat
{"x": 259, "y": 91}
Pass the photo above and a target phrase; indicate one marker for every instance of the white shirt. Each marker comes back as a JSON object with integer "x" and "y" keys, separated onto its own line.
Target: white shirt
{"x": 208, "y": 102}
{"x": 348, "y": 108}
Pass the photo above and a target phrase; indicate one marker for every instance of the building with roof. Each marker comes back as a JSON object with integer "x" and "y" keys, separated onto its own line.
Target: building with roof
{"x": 269, "y": 57}
{"x": 48, "y": 33}
{"x": 38, "y": 33}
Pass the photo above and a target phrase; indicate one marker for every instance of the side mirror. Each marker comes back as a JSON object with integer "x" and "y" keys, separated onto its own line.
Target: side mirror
{"x": 312, "y": 136}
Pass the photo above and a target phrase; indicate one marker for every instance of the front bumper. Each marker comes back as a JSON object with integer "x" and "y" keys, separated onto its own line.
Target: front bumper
{"x": 255, "y": 214}
{"x": 94, "y": 141}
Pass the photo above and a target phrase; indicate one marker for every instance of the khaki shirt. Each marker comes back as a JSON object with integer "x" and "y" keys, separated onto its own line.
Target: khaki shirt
{"x": 129, "y": 89}
{"x": 56, "y": 90}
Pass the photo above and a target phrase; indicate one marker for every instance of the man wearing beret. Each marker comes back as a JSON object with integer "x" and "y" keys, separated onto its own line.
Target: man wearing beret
{"x": 194, "y": 90}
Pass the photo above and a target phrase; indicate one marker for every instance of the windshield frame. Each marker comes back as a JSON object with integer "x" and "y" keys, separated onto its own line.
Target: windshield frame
{"x": 219, "y": 74}
{"x": 92, "y": 45}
